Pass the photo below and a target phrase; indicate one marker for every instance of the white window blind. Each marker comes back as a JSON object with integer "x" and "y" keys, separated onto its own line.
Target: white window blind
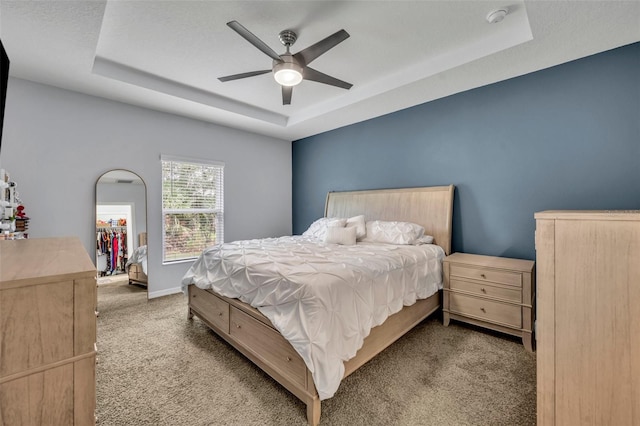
{"x": 192, "y": 207}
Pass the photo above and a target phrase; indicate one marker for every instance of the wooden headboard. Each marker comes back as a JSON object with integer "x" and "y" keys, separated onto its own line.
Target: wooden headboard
{"x": 430, "y": 207}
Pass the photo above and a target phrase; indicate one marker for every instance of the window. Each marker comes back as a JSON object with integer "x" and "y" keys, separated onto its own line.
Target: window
{"x": 192, "y": 207}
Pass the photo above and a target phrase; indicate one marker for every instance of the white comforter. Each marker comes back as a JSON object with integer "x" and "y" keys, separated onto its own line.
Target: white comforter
{"x": 323, "y": 298}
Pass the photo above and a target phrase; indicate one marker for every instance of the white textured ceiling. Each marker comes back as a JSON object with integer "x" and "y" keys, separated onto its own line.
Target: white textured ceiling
{"x": 167, "y": 55}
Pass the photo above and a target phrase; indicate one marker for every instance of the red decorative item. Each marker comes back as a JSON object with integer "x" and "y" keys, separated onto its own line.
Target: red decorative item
{"x": 22, "y": 221}
{"x": 20, "y": 212}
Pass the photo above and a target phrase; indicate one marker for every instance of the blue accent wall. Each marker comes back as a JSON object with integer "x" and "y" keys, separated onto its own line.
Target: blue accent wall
{"x": 567, "y": 137}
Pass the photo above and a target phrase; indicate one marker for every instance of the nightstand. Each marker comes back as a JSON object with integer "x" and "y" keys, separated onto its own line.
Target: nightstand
{"x": 492, "y": 292}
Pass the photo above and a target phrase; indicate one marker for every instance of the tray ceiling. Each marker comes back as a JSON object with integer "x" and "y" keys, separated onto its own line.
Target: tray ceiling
{"x": 167, "y": 55}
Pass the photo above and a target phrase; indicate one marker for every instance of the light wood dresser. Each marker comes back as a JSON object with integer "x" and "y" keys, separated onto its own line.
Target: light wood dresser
{"x": 493, "y": 292}
{"x": 47, "y": 333}
{"x": 588, "y": 321}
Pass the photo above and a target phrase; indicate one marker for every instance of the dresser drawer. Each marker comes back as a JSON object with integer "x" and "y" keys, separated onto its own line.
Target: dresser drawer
{"x": 37, "y": 326}
{"x": 491, "y": 275}
{"x": 487, "y": 310}
{"x": 41, "y": 398}
{"x": 268, "y": 344}
{"x": 510, "y": 294}
{"x": 211, "y": 307}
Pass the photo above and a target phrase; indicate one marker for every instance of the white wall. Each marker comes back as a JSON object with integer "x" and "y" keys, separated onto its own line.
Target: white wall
{"x": 57, "y": 143}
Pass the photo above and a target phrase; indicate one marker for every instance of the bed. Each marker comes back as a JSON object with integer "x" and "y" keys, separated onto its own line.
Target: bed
{"x": 136, "y": 265}
{"x": 297, "y": 362}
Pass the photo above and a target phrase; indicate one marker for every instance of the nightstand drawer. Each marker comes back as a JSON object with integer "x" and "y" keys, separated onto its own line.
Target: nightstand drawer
{"x": 487, "y": 310}
{"x": 494, "y": 292}
{"x": 492, "y": 275}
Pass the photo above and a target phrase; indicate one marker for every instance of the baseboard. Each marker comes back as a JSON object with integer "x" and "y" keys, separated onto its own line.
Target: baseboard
{"x": 165, "y": 292}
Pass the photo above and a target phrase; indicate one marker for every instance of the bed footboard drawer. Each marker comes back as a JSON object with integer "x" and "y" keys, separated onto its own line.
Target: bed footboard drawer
{"x": 211, "y": 307}
{"x": 268, "y": 344}
{"x": 135, "y": 272}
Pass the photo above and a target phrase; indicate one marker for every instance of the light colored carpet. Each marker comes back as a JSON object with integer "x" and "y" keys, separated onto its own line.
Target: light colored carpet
{"x": 114, "y": 279}
{"x": 155, "y": 367}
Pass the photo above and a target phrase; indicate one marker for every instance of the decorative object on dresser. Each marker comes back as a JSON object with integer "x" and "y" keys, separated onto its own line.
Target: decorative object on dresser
{"x": 588, "y": 320}
{"x": 47, "y": 332}
{"x": 492, "y": 292}
{"x": 13, "y": 220}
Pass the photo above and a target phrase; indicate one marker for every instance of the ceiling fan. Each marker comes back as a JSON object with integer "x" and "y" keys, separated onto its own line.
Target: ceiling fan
{"x": 290, "y": 69}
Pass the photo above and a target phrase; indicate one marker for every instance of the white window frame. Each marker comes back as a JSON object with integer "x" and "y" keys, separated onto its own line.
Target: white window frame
{"x": 219, "y": 210}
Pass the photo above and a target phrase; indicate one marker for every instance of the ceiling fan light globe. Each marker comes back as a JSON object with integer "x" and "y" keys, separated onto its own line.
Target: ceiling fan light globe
{"x": 287, "y": 74}
{"x": 288, "y": 77}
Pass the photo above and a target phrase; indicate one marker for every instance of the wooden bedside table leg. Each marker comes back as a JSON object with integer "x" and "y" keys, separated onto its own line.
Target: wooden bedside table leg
{"x": 527, "y": 341}
{"x": 445, "y": 294}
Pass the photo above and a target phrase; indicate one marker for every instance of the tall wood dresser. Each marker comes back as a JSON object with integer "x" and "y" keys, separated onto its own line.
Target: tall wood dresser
{"x": 588, "y": 317}
{"x": 47, "y": 333}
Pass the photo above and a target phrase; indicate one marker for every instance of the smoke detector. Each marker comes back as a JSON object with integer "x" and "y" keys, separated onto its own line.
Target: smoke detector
{"x": 496, "y": 16}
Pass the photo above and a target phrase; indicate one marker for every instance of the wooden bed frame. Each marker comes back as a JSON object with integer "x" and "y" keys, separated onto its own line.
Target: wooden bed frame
{"x": 250, "y": 332}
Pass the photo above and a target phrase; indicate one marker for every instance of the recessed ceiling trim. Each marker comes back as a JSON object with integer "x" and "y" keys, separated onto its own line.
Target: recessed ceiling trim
{"x": 121, "y": 72}
{"x": 166, "y": 54}
{"x": 518, "y": 31}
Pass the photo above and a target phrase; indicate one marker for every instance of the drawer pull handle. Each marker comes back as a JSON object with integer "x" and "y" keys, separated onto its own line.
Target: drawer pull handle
{"x": 483, "y": 276}
{"x": 482, "y": 309}
{"x": 219, "y": 314}
{"x": 288, "y": 359}
{"x": 238, "y": 326}
{"x": 483, "y": 290}
{"x": 194, "y": 296}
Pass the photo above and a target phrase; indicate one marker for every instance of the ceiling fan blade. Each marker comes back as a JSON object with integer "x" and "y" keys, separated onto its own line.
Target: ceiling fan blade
{"x": 287, "y": 91}
{"x": 242, "y": 75}
{"x": 314, "y": 75}
{"x": 251, "y": 38}
{"x": 312, "y": 52}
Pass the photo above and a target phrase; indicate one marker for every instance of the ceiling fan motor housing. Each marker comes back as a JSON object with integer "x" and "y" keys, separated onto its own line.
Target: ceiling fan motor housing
{"x": 287, "y": 37}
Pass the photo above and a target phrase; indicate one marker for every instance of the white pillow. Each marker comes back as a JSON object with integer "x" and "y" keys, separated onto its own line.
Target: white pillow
{"x": 318, "y": 229}
{"x": 380, "y": 231}
{"x": 344, "y": 236}
{"x": 360, "y": 225}
{"x": 425, "y": 239}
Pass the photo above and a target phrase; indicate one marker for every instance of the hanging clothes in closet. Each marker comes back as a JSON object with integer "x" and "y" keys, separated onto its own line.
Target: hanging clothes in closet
{"x": 111, "y": 242}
